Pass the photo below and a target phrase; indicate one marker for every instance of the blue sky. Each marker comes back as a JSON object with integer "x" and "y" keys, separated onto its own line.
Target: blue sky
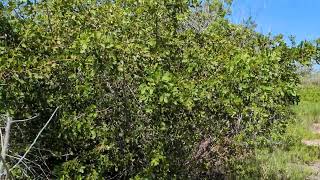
{"x": 289, "y": 17}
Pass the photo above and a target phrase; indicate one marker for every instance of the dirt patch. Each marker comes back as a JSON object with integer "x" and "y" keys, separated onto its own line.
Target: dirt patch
{"x": 316, "y": 171}
{"x": 315, "y": 128}
{"x": 315, "y": 142}
{"x": 315, "y": 167}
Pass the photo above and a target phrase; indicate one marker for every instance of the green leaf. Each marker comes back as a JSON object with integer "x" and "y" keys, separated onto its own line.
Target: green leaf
{"x": 166, "y": 77}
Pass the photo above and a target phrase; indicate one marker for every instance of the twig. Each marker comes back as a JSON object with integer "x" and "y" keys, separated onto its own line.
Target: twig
{"x": 18, "y": 127}
{"x": 43, "y": 161}
{"x": 18, "y": 157}
{"x": 24, "y": 172}
{"x": 35, "y": 140}
{"x": 23, "y": 120}
{"x": 30, "y": 170}
{"x": 52, "y": 153}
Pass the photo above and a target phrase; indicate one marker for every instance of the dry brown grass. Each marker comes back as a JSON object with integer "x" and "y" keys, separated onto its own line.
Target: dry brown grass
{"x": 311, "y": 79}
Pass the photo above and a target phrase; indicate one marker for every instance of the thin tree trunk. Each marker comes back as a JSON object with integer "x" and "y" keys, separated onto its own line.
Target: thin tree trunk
{"x": 4, "y": 148}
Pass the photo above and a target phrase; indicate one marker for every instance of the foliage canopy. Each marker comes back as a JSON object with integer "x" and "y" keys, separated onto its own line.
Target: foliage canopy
{"x": 145, "y": 88}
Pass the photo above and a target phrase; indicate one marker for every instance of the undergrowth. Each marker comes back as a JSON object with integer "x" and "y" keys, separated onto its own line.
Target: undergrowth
{"x": 287, "y": 157}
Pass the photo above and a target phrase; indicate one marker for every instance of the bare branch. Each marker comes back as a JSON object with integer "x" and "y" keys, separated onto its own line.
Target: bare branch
{"x": 19, "y": 128}
{"x": 32, "y": 162}
{"x": 23, "y": 120}
{"x": 35, "y": 140}
{"x": 28, "y": 168}
{"x": 52, "y": 153}
{"x": 43, "y": 161}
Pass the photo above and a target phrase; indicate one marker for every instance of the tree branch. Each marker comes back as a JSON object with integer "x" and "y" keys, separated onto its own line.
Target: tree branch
{"x": 35, "y": 140}
{"x": 23, "y": 120}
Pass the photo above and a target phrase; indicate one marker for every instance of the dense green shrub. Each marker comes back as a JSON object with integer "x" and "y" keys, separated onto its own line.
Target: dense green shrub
{"x": 141, "y": 93}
